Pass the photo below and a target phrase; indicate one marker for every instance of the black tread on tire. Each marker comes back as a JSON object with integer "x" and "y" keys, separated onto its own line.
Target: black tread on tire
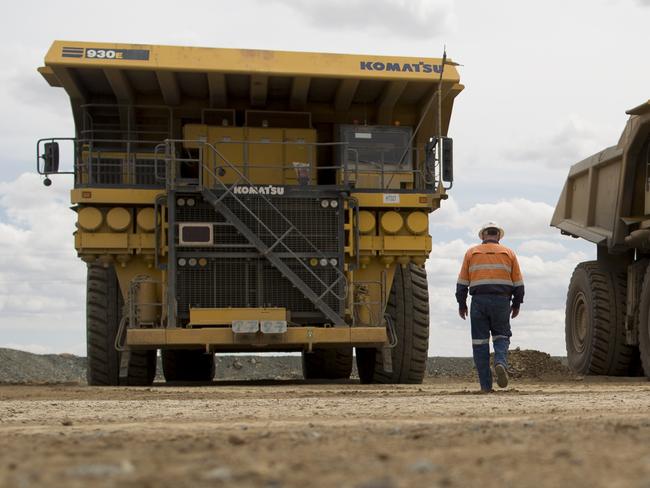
{"x": 187, "y": 365}
{"x": 333, "y": 363}
{"x": 408, "y": 306}
{"x": 644, "y": 324}
{"x": 104, "y": 305}
{"x": 595, "y": 321}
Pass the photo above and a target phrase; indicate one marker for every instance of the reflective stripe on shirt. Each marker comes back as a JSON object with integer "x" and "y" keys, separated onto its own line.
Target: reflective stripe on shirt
{"x": 490, "y": 282}
{"x": 476, "y": 267}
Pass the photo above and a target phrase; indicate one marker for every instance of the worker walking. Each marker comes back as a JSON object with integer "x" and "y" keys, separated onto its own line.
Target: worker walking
{"x": 491, "y": 274}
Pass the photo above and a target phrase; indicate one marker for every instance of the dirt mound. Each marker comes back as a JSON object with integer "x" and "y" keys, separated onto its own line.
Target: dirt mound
{"x": 25, "y": 367}
{"x": 533, "y": 364}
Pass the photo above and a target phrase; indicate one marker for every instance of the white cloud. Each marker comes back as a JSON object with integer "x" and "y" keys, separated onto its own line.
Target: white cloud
{"x": 417, "y": 19}
{"x": 42, "y": 292}
{"x": 537, "y": 247}
{"x": 540, "y": 329}
{"x": 574, "y": 140}
{"x": 521, "y": 218}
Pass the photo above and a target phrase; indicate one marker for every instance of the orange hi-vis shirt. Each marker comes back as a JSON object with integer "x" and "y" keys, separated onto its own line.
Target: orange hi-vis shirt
{"x": 490, "y": 268}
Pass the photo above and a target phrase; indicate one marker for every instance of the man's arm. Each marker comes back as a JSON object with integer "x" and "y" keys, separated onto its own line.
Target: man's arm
{"x": 518, "y": 286}
{"x": 462, "y": 287}
{"x": 461, "y": 298}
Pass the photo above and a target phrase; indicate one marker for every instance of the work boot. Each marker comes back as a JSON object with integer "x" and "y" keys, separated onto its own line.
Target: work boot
{"x": 502, "y": 375}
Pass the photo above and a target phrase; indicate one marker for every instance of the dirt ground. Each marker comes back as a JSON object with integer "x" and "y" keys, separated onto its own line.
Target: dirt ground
{"x": 290, "y": 434}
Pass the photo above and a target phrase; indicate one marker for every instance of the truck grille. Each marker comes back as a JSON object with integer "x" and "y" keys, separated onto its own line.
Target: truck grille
{"x": 320, "y": 226}
{"x": 236, "y": 275}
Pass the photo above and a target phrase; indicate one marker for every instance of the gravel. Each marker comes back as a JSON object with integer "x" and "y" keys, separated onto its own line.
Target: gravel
{"x": 24, "y": 367}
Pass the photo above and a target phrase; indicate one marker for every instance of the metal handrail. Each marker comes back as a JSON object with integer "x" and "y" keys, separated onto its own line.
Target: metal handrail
{"x": 136, "y": 150}
{"x": 380, "y": 168}
{"x": 292, "y": 227}
{"x": 87, "y": 115}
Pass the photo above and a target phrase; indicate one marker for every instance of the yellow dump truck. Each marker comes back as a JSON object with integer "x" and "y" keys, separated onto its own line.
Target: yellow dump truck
{"x": 233, "y": 200}
{"x": 606, "y": 200}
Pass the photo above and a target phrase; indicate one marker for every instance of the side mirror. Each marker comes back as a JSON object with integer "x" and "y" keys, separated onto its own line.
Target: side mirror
{"x": 447, "y": 159}
{"x": 50, "y": 157}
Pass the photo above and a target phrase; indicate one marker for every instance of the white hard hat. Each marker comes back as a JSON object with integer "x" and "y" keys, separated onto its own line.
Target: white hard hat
{"x": 491, "y": 225}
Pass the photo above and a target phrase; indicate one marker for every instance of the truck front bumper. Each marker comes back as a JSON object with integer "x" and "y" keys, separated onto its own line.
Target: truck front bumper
{"x": 224, "y": 339}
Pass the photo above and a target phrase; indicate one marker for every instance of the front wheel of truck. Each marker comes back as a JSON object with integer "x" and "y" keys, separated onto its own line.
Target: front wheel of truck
{"x": 104, "y": 305}
{"x": 594, "y": 325}
{"x": 408, "y": 307}
{"x": 644, "y": 324}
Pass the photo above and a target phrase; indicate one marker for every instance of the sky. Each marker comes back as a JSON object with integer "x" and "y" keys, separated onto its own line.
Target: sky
{"x": 547, "y": 84}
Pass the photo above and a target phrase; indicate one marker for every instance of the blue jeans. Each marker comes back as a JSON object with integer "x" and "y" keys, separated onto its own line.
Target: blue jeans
{"x": 489, "y": 314}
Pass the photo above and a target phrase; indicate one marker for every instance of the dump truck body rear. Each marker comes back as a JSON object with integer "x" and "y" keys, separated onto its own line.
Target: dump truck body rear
{"x": 255, "y": 200}
{"x": 606, "y": 200}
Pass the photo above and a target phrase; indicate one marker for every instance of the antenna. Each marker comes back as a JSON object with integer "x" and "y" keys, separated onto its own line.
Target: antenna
{"x": 439, "y": 144}
{"x": 444, "y": 60}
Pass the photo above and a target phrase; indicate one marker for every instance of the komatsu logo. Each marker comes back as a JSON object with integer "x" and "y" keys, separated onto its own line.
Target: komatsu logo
{"x": 420, "y": 67}
{"x": 258, "y": 190}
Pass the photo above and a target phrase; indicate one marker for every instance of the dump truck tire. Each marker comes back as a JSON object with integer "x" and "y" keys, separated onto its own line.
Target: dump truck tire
{"x": 103, "y": 313}
{"x": 327, "y": 364}
{"x": 187, "y": 365}
{"x": 595, "y": 322}
{"x": 408, "y": 306}
{"x": 644, "y": 324}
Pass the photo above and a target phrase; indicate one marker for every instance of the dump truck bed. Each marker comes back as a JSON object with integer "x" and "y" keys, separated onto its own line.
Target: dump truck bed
{"x": 607, "y": 195}
{"x": 385, "y": 88}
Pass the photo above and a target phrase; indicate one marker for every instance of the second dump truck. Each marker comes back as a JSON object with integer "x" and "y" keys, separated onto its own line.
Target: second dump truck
{"x": 606, "y": 200}
{"x": 235, "y": 200}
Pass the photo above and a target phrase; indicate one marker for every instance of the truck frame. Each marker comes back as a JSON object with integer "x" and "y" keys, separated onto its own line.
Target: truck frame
{"x": 233, "y": 200}
{"x": 606, "y": 200}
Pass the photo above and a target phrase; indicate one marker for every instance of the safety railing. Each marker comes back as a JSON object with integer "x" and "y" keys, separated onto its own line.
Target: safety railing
{"x": 120, "y": 121}
{"x": 116, "y": 147}
{"x": 116, "y": 163}
{"x": 350, "y": 172}
{"x": 134, "y": 163}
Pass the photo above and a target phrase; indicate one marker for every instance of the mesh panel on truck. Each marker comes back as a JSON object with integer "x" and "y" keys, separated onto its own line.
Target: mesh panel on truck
{"x": 237, "y": 276}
